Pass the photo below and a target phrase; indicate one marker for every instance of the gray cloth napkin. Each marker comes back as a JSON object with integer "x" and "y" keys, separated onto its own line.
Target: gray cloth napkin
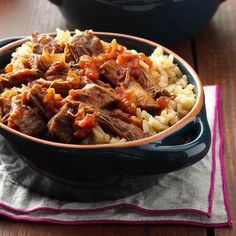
{"x": 195, "y": 195}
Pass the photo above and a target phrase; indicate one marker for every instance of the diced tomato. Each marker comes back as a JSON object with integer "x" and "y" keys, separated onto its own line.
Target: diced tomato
{"x": 126, "y": 60}
{"x": 72, "y": 93}
{"x": 128, "y": 100}
{"x": 92, "y": 73}
{"x": 74, "y": 79}
{"x": 88, "y": 121}
{"x": 85, "y": 61}
{"x": 50, "y": 95}
{"x": 52, "y": 101}
{"x": 26, "y": 63}
{"x": 9, "y": 68}
{"x": 81, "y": 72}
{"x": 119, "y": 91}
{"x": 111, "y": 51}
{"x": 163, "y": 102}
{"x": 146, "y": 59}
{"x": 90, "y": 66}
{"x": 129, "y": 96}
{"x": 108, "y": 48}
{"x": 84, "y": 125}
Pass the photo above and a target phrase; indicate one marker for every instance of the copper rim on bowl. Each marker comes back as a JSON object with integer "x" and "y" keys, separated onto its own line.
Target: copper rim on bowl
{"x": 193, "y": 113}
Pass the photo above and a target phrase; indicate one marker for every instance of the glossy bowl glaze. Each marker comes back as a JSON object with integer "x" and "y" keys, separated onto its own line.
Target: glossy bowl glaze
{"x": 108, "y": 171}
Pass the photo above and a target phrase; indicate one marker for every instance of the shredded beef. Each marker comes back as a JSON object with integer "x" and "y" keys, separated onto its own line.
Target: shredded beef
{"x": 144, "y": 100}
{"x": 84, "y": 80}
{"x": 35, "y": 96}
{"x": 94, "y": 95}
{"x": 85, "y": 44}
{"x": 6, "y": 98}
{"x": 114, "y": 73}
{"x": 58, "y": 67}
{"x": 45, "y": 61}
{"x": 60, "y": 125}
{"x": 18, "y": 78}
{"x": 151, "y": 86}
{"x": 61, "y": 86}
{"x": 25, "y": 119}
{"x": 114, "y": 125}
{"x": 118, "y": 127}
{"x": 119, "y": 114}
{"x": 40, "y": 41}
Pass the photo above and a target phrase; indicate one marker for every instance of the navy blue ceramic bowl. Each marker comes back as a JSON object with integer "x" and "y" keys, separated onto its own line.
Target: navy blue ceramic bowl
{"x": 164, "y": 21}
{"x": 108, "y": 171}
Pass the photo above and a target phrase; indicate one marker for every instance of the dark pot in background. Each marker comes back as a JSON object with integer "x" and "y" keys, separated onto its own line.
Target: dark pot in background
{"x": 164, "y": 21}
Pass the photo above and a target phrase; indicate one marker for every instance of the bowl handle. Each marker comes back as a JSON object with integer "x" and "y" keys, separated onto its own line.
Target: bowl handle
{"x": 192, "y": 150}
{"x": 171, "y": 153}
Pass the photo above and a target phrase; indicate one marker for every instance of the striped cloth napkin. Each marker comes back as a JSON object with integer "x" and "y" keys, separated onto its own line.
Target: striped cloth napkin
{"x": 195, "y": 195}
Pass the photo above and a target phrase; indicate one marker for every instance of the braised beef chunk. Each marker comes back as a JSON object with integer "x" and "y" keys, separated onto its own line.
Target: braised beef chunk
{"x": 18, "y": 78}
{"x": 25, "y": 119}
{"x": 118, "y": 127}
{"x": 55, "y": 77}
{"x": 5, "y": 100}
{"x": 36, "y": 62}
{"x": 61, "y": 86}
{"x": 47, "y": 55}
{"x": 114, "y": 73}
{"x": 5, "y": 106}
{"x": 44, "y": 61}
{"x": 94, "y": 95}
{"x": 114, "y": 125}
{"x": 84, "y": 80}
{"x": 85, "y": 44}
{"x": 119, "y": 114}
{"x": 40, "y": 41}
{"x": 103, "y": 84}
{"x": 36, "y": 95}
{"x": 60, "y": 125}
{"x": 151, "y": 86}
{"x": 144, "y": 100}
{"x": 58, "y": 67}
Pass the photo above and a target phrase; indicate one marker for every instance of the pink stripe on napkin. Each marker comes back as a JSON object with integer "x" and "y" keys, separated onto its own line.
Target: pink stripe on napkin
{"x": 111, "y": 213}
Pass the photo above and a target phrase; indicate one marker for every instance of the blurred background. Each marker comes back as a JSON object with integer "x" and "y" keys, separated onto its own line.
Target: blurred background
{"x": 164, "y": 21}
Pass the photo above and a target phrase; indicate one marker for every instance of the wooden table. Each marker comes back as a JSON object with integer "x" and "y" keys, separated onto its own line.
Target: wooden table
{"x": 212, "y": 53}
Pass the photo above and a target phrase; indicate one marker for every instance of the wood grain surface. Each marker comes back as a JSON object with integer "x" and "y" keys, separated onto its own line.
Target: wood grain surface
{"x": 22, "y": 17}
{"x": 212, "y": 53}
{"x": 216, "y": 59}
